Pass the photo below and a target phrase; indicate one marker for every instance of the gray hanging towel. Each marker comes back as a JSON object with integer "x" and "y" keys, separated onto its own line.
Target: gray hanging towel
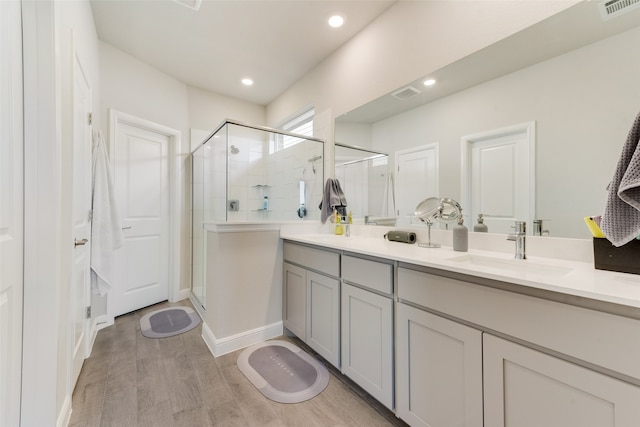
{"x": 332, "y": 198}
{"x": 621, "y": 220}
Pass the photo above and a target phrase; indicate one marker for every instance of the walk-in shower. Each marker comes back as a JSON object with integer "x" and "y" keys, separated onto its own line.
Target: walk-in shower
{"x": 251, "y": 174}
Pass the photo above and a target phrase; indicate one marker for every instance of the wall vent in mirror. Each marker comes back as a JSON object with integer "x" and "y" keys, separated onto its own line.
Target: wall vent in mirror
{"x": 406, "y": 93}
{"x": 613, "y": 8}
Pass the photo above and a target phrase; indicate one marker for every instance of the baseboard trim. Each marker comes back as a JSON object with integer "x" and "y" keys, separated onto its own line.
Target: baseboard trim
{"x": 197, "y": 306}
{"x": 64, "y": 417}
{"x": 181, "y": 294}
{"x": 103, "y": 321}
{"x": 222, "y": 346}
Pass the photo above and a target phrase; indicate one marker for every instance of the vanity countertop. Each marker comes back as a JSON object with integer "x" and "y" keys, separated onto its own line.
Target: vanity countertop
{"x": 572, "y": 278}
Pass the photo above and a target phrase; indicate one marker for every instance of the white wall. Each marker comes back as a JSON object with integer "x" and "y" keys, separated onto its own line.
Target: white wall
{"x": 583, "y": 103}
{"x": 208, "y": 110}
{"x": 133, "y": 87}
{"x": 358, "y": 134}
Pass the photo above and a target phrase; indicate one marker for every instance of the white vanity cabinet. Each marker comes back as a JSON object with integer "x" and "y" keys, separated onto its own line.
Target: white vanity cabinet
{"x": 528, "y": 388}
{"x": 553, "y": 364}
{"x": 311, "y": 298}
{"x": 439, "y": 366}
{"x": 367, "y": 325}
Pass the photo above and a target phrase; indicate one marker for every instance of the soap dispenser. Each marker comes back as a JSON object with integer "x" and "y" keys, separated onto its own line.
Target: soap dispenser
{"x": 480, "y": 226}
{"x": 460, "y": 236}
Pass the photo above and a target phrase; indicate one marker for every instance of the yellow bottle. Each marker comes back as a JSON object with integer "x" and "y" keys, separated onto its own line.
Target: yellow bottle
{"x": 339, "y": 228}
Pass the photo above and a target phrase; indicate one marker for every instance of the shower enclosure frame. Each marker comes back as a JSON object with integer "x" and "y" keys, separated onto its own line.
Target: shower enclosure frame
{"x": 294, "y": 158}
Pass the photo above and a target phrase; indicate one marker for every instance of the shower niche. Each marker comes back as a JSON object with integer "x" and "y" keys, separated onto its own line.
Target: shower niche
{"x": 248, "y": 175}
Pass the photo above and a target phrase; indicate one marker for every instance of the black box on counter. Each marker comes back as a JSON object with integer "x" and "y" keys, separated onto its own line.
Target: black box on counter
{"x": 624, "y": 259}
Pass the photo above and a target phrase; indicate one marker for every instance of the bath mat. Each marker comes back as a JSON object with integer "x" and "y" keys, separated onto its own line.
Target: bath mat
{"x": 282, "y": 372}
{"x": 167, "y": 322}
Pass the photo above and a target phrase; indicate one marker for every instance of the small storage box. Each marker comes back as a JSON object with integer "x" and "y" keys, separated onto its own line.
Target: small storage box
{"x": 625, "y": 259}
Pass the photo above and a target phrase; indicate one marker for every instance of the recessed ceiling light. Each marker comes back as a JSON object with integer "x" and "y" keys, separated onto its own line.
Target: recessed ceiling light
{"x": 429, "y": 82}
{"x": 247, "y": 82}
{"x": 336, "y": 21}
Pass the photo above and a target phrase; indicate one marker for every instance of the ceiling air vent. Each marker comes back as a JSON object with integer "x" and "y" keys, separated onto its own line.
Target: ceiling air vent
{"x": 406, "y": 92}
{"x": 613, "y": 8}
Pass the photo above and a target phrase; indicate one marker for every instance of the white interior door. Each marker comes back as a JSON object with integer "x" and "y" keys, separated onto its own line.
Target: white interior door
{"x": 141, "y": 178}
{"x": 416, "y": 179}
{"x": 11, "y": 212}
{"x": 499, "y": 176}
{"x": 80, "y": 276}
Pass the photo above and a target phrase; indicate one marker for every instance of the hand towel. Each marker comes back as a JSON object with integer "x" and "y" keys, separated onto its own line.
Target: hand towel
{"x": 389, "y": 200}
{"x": 621, "y": 219}
{"x": 106, "y": 229}
{"x": 332, "y": 198}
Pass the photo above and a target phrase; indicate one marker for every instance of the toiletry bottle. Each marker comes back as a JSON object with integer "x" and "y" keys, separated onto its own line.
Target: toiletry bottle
{"x": 480, "y": 226}
{"x": 347, "y": 226}
{"x": 339, "y": 230}
{"x": 265, "y": 203}
{"x": 460, "y": 236}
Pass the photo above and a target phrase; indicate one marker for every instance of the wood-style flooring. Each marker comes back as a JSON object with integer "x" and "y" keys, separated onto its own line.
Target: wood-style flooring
{"x": 131, "y": 380}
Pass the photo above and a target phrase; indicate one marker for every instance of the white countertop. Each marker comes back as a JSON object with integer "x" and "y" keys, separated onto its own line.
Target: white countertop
{"x": 568, "y": 277}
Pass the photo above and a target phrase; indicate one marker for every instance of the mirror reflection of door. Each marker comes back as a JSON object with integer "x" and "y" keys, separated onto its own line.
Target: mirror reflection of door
{"x": 416, "y": 179}
{"x": 498, "y": 177}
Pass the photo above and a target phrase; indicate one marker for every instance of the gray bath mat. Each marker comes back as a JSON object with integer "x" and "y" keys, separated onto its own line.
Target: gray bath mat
{"x": 168, "y": 322}
{"x": 282, "y": 372}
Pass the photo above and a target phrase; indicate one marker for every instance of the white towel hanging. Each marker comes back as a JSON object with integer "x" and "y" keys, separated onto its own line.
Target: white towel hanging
{"x": 106, "y": 229}
{"x": 389, "y": 199}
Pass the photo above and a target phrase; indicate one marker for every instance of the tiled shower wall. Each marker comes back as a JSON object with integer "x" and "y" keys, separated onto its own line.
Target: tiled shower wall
{"x": 259, "y": 168}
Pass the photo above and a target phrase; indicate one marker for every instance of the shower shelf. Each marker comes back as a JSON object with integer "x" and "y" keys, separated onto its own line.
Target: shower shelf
{"x": 261, "y": 186}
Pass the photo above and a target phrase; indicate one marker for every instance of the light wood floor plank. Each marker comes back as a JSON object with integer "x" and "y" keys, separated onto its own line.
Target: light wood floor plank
{"x": 131, "y": 380}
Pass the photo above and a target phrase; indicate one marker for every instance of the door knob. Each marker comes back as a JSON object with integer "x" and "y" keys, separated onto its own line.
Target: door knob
{"x": 77, "y": 242}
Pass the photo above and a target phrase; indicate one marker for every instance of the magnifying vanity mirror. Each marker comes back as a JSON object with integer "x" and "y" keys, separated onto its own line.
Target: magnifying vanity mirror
{"x": 433, "y": 209}
{"x": 572, "y": 77}
{"x": 428, "y": 211}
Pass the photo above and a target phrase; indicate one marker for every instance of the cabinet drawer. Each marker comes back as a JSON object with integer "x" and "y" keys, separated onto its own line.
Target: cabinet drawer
{"x": 599, "y": 338}
{"x": 315, "y": 259}
{"x": 369, "y": 274}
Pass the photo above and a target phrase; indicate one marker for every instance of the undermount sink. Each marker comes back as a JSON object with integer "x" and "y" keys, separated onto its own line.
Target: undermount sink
{"x": 512, "y": 265}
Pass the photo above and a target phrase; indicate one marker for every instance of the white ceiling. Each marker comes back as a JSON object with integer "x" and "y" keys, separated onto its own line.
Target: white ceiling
{"x": 274, "y": 42}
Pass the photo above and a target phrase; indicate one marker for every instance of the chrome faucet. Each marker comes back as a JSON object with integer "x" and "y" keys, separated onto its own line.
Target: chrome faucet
{"x": 519, "y": 237}
{"x": 538, "y": 229}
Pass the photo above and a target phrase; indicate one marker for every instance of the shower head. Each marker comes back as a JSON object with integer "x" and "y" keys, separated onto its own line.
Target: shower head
{"x": 234, "y": 149}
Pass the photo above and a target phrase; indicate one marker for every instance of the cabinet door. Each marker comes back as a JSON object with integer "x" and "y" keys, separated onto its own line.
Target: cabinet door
{"x": 439, "y": 370}
{"x": 367, "y": 342}
{"x": 295, "y": 300}
{"x": 323, "y": 316}
{"x": 524, "y": 387}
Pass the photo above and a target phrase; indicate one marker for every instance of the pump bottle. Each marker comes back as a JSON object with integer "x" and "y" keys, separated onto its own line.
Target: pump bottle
{"x": 460, "y": 236}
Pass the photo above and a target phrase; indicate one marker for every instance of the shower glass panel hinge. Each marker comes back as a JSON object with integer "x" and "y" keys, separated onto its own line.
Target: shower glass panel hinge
{"x": 88, "y": 312}
{"x": 90, "y": 118}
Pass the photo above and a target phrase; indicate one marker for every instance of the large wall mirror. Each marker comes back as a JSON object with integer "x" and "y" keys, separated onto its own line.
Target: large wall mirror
{"x": 363, "y": 175}
{"x": 573, "y": 76}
